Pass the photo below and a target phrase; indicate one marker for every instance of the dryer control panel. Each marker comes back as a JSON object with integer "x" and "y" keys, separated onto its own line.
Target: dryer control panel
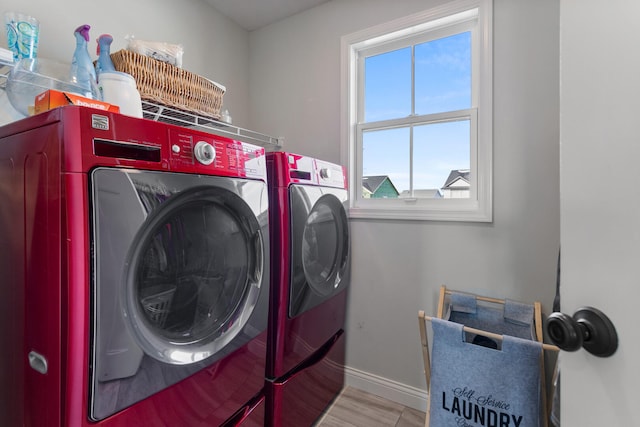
{"x": 330, "y": 174}
{"x": 289, "y": 168}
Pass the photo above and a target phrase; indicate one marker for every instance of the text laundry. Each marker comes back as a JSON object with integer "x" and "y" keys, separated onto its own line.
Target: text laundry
{"x": 479, "y": 414}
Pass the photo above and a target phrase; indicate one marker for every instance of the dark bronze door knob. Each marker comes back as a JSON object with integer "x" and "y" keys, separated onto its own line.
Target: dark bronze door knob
{"x": 588, "y": 328}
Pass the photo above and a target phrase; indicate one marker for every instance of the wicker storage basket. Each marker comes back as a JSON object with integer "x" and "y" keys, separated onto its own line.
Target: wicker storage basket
{"x": 168, "y": 85}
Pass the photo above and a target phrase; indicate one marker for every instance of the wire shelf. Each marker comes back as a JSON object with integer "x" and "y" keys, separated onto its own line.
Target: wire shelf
{"x": 173, "y": 116}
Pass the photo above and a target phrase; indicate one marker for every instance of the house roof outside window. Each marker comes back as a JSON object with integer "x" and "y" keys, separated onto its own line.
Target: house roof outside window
{"x": 458, "y": 178}
{"x": 379, "y": 186}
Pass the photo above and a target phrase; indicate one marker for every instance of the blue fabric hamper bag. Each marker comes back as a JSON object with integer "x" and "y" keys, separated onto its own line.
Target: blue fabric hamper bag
{"x": 478, "y": 386}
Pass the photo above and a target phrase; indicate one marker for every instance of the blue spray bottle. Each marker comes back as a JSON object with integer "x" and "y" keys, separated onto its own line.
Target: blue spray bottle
{"x": 103, "y": 51}
{"x": 82, "y": 71}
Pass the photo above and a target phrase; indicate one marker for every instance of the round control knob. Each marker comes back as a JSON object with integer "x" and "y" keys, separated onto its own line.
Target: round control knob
{"x": 325, "y": 173}
{"x": 204, "y": 152}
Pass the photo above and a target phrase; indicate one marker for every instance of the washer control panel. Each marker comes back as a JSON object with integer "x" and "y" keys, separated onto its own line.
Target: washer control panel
{"x": 214, "y": 154}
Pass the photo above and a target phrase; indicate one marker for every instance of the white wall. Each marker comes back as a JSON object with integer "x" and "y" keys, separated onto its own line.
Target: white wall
{"x": 398, "y": 267}
{"x": 214, "y": 46}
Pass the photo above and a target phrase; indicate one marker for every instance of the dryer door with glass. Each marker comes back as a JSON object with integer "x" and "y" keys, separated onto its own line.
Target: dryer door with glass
{"x": 180, "y": 278}
{"x": 319, "y": 246}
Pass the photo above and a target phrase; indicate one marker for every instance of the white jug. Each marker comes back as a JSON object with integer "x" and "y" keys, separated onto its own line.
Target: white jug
{"x": 120, "y": 89}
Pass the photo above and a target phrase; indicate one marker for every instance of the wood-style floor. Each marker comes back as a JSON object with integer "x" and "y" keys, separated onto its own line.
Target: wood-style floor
{"x": 356, "y": 408}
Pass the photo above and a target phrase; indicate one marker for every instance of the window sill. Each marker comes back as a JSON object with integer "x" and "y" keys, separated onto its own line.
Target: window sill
{"x": 472, "y": 214}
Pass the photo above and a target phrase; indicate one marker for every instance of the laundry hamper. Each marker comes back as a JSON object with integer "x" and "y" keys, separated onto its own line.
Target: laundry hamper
{"x": 487, "y": 363}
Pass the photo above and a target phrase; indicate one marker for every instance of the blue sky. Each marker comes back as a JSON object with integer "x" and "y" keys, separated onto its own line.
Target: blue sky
{"x": 443, "y": 76}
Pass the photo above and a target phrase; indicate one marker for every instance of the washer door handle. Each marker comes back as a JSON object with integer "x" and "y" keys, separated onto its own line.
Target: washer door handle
{"x": 38, "y": 362}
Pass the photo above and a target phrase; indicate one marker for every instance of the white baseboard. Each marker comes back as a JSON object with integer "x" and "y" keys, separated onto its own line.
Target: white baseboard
{"x": 392, "y": 390}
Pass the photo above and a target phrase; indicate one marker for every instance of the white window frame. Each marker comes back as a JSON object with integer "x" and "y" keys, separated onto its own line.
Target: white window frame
{"x": 450, "y": 18}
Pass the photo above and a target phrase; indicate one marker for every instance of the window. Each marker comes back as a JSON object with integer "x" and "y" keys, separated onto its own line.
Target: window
{"x": 417, "y": 134}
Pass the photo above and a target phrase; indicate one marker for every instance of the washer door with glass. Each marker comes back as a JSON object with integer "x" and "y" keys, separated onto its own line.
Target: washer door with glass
{"x": 180, "y": 278}
{"x": 319, "y": 246}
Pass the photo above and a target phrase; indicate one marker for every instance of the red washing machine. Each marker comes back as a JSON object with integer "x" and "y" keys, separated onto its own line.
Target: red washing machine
{"x": 135, "y": 274}
{"x": 310, "y": 276}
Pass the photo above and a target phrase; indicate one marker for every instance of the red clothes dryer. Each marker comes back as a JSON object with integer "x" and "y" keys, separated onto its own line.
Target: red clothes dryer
{"x": 310, "y": 276}
{"x": 135, "y": 266}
